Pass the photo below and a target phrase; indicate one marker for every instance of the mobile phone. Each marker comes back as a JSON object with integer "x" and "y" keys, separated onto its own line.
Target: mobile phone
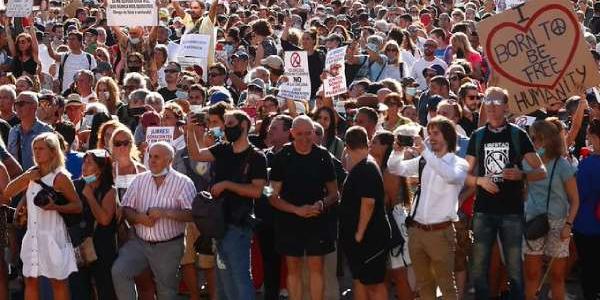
{"x": 405, "y": 141}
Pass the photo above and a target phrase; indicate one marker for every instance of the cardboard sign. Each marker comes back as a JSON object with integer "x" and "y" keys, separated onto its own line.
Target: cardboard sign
{"x": 194, "y": 50}
{"x": 524, "y": 121}
{"x": 297, "y": 86}
{"x": 335, "y": 66}
{"x": 538, "y": 54}
{"x": 19, "y": 8}
{"x": 132, "y": 13}
{"x": 158, "y": 134}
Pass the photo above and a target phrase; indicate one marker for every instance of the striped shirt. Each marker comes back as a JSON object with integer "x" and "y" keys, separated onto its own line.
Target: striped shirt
{"x": 176, "y": 192}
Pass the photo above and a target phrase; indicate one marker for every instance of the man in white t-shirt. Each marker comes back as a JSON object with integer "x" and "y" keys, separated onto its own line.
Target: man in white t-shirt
{"x": 428, "y": 60}
{"x": 73, "y": 61}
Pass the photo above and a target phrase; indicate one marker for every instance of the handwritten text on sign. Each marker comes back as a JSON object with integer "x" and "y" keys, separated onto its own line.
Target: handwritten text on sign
{"x": 158, "y": 134}
{"x": 297, "y": 86}
{"x": 194, "y": 45}
{"x": 19, "y": 8}
{"x": 335, "y": 83}
{"x": 538, "y": 54}
{"x": 132, "y": 13}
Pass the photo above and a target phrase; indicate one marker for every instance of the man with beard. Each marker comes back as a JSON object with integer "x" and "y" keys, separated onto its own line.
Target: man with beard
{"x": 427, "y": 61}
{"x": 240, "y": 176}
{"x": 172, "y": 71}
{"x": 468, "y": 97}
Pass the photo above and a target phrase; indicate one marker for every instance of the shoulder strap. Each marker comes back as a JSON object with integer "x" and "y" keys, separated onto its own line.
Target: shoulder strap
{"x": 422, "y": 163}
{"x": 380, "y": 71}
{"x": 89, "y": 59}
{"x": 550, "y": 183}
{"x": 61, "y": 68}
{"x": 401, "y": 67}
{"x": 514, "y": 138}
{"x": 19, "y": 155}
{"x": 479, "y": 135}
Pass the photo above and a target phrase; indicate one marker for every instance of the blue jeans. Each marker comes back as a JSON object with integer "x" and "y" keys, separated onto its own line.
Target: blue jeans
{"x": 486, "y": 227}
{"x": 234, "y": 281}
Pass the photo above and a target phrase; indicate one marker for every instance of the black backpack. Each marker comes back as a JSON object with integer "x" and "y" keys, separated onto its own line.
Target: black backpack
{"x": 61, "y": 68}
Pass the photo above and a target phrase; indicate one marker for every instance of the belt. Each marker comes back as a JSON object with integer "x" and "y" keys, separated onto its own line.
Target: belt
{"x": 431, "y": 227}
{"x": 160, "y": 242}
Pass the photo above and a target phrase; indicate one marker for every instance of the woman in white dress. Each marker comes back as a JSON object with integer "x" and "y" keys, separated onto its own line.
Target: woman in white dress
{"x": 46, "y": 249}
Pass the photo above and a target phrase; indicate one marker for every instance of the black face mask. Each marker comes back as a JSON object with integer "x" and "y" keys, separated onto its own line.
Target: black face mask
{"x": 136, "y": 111}
{"x": 135, "y": 69}
{"x": 233, "y": 133}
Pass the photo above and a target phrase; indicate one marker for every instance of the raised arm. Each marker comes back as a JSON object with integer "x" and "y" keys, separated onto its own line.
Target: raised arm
{"x": 34, "y": 43}
{"x": 212, "y": 12}
{"x": 9, "y": 38}
{"x": 178, "y": 9}
{"x": 195, "y": 141}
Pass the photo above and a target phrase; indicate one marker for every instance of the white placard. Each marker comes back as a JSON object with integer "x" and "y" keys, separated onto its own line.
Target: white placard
{"x": 132, "y": 13}
{"x": 297, "y": 86}
{"x": 19, "y": 8}
{"x": 524, "y": 121}
{"x": 194, "y": 45}
{"x": 335, "y": 83}
{"x": 158, "y": 134}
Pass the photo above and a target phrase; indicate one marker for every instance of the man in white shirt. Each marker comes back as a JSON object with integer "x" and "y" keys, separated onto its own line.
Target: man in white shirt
{"x": 430, "y": 228}
{"x": 428, "y": 60}
{"x": 73, "y": 61}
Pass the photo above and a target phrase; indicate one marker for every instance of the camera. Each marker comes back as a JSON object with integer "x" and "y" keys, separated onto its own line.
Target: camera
{"x": 405, "y": 141}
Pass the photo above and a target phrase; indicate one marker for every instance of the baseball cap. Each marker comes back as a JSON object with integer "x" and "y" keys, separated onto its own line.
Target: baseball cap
{"x": 217, "y": 97}
{"x": 257, "y": 82}
{"x": 92, "y": 31}
{"x": 273, "y": 62}
{"x": 173, "y": 66}
{"x": 241, "y": 55}
{"x": 74, "y": 99}
{"x": 102, "y": 67}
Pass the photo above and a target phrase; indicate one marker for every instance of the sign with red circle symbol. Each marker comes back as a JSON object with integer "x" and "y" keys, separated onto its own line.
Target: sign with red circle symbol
{"x": 295, "y": 60}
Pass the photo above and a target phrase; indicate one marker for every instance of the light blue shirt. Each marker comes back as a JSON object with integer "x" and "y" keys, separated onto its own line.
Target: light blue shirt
{"x": 537, "y": 191}
{"x": 26, "y": 140}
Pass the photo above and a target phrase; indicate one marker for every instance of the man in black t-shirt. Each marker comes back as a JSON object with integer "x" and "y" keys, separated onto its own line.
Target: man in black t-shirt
{"x": 304, "y": 187}
{"x": 495, "y": 153}
{"x": 240, "y": 176}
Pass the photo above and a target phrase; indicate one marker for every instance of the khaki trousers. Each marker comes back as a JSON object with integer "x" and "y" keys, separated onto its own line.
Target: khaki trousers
{"x": 432, "y": 255}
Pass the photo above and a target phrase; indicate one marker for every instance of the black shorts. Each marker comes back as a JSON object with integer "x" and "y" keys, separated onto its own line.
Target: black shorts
{"x": 366, "y": 268}
{"x": 299, "y": 244}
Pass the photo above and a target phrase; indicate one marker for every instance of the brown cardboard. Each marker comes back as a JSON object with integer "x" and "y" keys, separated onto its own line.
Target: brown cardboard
{"x": 537, "y": 52}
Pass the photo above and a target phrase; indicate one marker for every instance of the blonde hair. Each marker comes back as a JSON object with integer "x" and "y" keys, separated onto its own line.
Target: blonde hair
{"x": 133, "y": 151}
{"x": 113, "y": 91}
{"x": 52, "y": 142}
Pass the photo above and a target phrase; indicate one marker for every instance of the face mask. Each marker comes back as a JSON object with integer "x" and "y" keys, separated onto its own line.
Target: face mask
{"x": 233, "y": 133}
{"x": 89, "y": 179}
{"x": 136, "y": 111}
{"x": 228, "y": 49}
{"x": 87, "y": 122}
{"x": 217, "y": 132}
{"x": 252, "y": 99}
{"x": 195, "y": 107}
{"x": 411, "y": 91}
{"x": 105, "y": 95}
{"x": 541, "y": 151}
{"x": 164, "y": 172}
{"x": 134, "y": 41}
{"x": 181, "y": 95}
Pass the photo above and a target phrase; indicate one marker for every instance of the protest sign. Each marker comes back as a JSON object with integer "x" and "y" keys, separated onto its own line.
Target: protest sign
{"x": 297, "y": 86}
{"x": 524, "y": 121}
{"x": 194, "y": 50}
{"x": 132, "y": 13}
{"x": 158, "y": 134}
{"x": 538, "y": 54}
{"x": 335, "y": 83}
{"x": 19, "y": 8}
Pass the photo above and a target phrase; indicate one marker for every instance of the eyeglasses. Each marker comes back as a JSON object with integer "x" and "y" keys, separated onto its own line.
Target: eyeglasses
{"x": 46, "y": 103}
{"x": 183, "y": 87}
{"x": 214, "y": 74}
{"x": 391, "y": 50}
{"x": 493, "y": 101}
{"x": 454, "y": 78}
{"x": 472, "y": 97}
{"x": 430, "y": 45}
{"x": 134, "y": 62}
{"x": 171, "y": 71}
{"x": 124, "y": 143}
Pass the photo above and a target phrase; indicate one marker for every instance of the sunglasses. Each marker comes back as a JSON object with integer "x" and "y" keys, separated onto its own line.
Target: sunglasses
{"x": 391, "y": 50}
{"x": 471, "y": 97}
{"x": 488, "y": 101}
{"x": 214, "y": 74}
{"x": 22, "y": 103}
{"x": 121, "y": 143}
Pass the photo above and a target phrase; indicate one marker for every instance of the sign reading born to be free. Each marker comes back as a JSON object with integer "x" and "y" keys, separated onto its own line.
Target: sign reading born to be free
{"x": 538, "y": 54}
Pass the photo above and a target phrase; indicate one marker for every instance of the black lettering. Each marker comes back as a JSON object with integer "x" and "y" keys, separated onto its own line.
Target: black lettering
{"x": 520, "y": 11}
{"x": 521, "y": 100}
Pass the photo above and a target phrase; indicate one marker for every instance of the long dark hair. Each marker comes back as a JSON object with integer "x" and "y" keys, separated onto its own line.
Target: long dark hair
{"x": 106, "y": 179}
{"x": 385, "y": 138}
{"x": 330, "y": 132}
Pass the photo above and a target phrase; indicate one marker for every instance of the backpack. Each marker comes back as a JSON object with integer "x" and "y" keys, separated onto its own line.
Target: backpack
{"x": 514, "y": 140}
{"x": 61, "y": 68}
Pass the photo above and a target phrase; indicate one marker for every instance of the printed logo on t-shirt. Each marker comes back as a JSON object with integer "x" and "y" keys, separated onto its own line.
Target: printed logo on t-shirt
{"x": 495, "y": 159}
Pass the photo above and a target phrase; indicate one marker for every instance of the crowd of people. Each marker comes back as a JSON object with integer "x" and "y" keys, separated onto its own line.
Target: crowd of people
{"x": 415, "y": 182}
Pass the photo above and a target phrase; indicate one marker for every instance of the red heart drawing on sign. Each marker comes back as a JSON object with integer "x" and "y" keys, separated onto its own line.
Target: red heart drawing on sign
{"x": 524, "y": 29}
